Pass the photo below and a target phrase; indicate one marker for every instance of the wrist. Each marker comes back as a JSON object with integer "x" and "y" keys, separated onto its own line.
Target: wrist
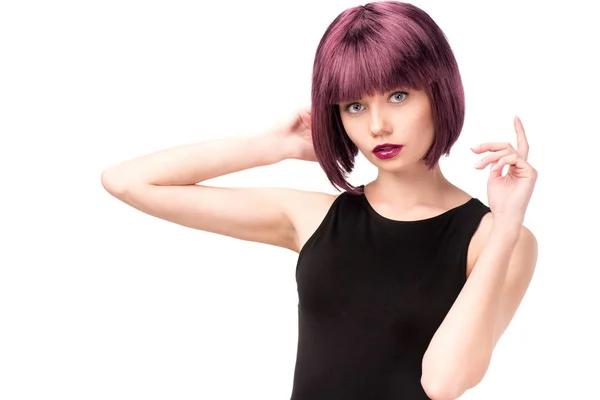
{"x": 284, "y": 145}
{"x": 274, "y": 146}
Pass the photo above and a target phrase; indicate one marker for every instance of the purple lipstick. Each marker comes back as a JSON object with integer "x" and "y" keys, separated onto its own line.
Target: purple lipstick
{"x": 387, "y": 150}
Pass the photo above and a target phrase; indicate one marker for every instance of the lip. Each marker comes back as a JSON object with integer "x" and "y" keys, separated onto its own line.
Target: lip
{"x": 387, "y": 150}
{"x": 384, "y": 145}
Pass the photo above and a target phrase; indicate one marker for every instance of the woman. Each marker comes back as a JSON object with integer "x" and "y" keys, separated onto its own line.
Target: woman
{"x": 405, "y": 284}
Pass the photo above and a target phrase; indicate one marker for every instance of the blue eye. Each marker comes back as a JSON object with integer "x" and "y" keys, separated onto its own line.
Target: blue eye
{"x": 353, "y": 104}
{"x": 402, "y": 93}
{"x": 350, "y": 107}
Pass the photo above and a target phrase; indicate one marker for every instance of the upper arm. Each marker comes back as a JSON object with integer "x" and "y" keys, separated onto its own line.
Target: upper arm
{"x": 253, "y": 214}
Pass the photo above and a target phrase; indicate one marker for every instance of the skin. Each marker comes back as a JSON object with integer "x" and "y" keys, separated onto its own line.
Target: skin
{"x": 501, "y": 256}
{"x": 405, "y": 188}
{"x": 502, "y": 253}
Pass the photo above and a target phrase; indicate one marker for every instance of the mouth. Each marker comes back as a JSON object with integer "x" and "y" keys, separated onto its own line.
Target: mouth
{"x": 385, "y": 146}
{"x": 387, "y": 150}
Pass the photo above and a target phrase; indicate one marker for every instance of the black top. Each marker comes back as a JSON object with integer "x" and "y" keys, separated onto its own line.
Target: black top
{"x": 372, "y": 292}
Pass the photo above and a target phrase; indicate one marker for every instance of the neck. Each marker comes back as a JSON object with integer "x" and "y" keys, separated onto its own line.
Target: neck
{"x": 410, "y": 187}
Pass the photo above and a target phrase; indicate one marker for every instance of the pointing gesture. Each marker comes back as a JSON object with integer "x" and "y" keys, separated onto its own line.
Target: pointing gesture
{"x": 508, "y": 195}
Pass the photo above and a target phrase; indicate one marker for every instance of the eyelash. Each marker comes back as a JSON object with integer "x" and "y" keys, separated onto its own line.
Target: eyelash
{"x": 346, "y": 109}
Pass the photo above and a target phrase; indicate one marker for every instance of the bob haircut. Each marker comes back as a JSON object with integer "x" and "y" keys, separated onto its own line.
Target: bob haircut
{"x": 378, "y": 47}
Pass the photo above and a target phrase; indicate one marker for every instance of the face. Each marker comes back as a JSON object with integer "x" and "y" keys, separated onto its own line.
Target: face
{"x": 401, "y": 116}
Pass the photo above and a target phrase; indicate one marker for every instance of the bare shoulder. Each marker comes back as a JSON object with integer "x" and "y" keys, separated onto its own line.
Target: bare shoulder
{"x": 481, "y": 235}
{"x": 306, "y": 210}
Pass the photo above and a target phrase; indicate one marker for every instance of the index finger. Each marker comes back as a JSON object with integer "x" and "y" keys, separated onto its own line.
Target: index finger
{"x": 522, "y": 144}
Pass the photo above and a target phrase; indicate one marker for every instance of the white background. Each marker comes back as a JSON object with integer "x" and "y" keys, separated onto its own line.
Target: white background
{"x": 101, "y": 301}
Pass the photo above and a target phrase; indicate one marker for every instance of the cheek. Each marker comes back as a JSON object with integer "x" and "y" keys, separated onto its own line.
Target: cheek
{"x": 352, "y": 129}
{"x": 422, "y": 123}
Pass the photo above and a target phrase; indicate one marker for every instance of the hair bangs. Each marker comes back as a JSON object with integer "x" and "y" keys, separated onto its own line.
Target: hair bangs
{"x": 364, "y": 67}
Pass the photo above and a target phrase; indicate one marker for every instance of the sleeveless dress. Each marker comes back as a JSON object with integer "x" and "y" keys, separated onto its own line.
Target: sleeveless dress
{"x": 372, "y": 292}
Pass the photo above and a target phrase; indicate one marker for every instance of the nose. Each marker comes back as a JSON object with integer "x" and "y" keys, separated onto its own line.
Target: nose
{"x": 379, "y": 125}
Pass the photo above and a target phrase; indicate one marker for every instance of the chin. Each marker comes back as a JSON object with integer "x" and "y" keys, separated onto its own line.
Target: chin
{"x": 393, "y": 164}
{"x": 398, "y": 165}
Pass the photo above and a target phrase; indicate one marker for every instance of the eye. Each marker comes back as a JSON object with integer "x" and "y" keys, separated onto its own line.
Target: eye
{"x": 402, "y": 93}
{"x": 351, "y": 107}
{"x": 352, "y": 110}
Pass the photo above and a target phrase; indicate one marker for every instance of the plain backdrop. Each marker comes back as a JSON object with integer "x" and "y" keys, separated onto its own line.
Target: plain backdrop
{"x": 101, "y": 301}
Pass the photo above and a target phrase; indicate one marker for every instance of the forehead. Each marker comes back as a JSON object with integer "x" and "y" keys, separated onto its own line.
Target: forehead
{"x": 378, "y": 93}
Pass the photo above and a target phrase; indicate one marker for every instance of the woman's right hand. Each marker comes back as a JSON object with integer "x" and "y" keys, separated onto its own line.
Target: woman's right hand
{"x": 296, "y": 134}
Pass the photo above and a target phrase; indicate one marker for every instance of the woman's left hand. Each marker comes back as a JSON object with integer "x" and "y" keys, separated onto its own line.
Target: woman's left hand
{"x": 508, "y": 195}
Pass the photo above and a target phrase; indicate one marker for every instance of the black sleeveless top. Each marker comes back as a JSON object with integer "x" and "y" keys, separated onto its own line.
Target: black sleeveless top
{"x": 372, "y": 292}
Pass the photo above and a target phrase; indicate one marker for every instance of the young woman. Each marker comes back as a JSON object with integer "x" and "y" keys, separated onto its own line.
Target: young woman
{"x": 405, "y": 284}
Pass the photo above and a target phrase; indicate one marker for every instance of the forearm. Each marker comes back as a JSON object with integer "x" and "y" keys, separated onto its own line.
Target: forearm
{"x": 193, "y": 163}
{"x": 460, "y": 350}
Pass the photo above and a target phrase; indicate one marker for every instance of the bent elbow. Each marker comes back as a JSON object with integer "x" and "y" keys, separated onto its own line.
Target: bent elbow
{"x": 442, "y": 392}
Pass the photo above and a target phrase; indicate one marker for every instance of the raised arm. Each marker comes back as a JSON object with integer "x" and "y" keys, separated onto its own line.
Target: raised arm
{"x": 164, "y": 184}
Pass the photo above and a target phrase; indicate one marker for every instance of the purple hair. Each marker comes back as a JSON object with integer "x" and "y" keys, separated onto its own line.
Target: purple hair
{"x": 378, "y": 47}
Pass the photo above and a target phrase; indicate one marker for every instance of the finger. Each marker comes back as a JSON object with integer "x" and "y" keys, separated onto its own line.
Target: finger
{"x": 513, "y": 159}
{"x": 492, "y": 158}
{"x": 496, "y": 170}
{"x": 493, "y": 172}
{"x": 492, "y": 146}
{"x": 522, "y": 144}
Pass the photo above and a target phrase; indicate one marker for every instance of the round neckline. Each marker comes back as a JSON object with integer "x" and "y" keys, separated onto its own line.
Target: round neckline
{"x": 416, "y": 221}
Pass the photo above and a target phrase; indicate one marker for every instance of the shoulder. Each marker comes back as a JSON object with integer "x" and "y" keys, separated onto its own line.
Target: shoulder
{"x": 299, "y": 202}
{"x": 306, "y": 210}
{"x": 527, "y": 241}
{"x": 526, "y": 236}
